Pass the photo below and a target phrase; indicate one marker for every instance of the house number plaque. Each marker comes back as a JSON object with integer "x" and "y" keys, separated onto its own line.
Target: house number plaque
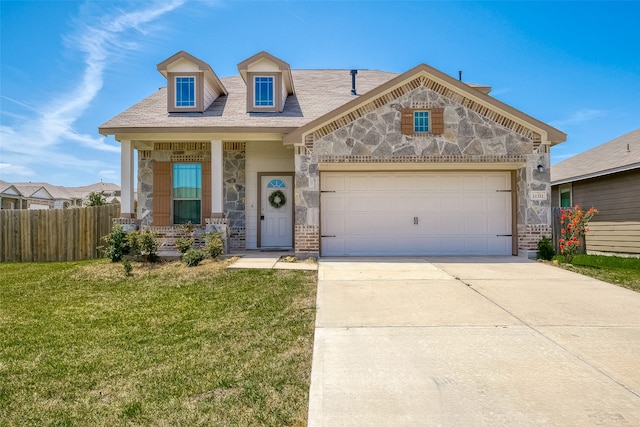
{"x": 538, "y": 195}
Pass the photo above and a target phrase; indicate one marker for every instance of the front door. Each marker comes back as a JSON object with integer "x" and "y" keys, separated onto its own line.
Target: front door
{"x": 276, "y": 211}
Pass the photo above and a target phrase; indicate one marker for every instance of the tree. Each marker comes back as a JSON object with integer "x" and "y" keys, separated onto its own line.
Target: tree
{"x": 96, "y": 198}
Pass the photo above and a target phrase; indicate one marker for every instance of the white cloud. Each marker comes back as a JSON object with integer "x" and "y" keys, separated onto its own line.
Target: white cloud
{"x": 48, "y": 135}
{"x": 578, "y": 117}
{"x": 7, "y": 169}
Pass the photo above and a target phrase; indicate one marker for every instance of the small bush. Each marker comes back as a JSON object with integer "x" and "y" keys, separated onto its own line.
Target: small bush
{"x": 183, "y": 244}
{"x": 117, "y": 244}
{"x": 193, "y": 257}
{"x": 545, "y": 249}
{"x": 128, "y": 268}
{"x": 145, "y": 244}
{"x": 215, "y": 245}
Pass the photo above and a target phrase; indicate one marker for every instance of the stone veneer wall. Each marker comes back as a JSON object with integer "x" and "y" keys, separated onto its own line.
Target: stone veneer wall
{"x": 234, "y": 159}
{"x": 468, "y": 137}
{"x": 233, "y": 192}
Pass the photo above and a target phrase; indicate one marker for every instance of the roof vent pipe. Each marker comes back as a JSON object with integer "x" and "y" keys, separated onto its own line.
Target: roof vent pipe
{"x": 353, "y": 82}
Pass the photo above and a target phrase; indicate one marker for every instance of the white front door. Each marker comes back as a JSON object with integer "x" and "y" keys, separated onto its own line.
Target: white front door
{"x": 276, "y": 212}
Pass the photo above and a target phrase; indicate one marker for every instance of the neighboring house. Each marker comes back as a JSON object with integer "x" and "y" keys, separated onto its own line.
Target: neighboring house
{"x": 42, "y": 195}
{"x": 367, "y": 162}
{"x": 606, "y": 177}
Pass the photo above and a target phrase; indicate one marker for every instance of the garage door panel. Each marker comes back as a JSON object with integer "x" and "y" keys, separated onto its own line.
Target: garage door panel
{"x": 380, "y": 183}
{"x": 416, "y": 213}
{"x": 333, "y": 203}
{"x": 357, "y": 183}
{"x": 428, "y": 183}
{"x": 451, "y": 183}
{"x": 333, "y": 183}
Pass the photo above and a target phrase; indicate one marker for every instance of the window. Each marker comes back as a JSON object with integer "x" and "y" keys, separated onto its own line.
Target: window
{"x": 276, "y": 183}
{"x": 263, "y": 92}
{"x": 565, "y": 197}
{"x": 420, "y": 121}
{"x": 185, "y": 92}
{"x": 187, "y": 193}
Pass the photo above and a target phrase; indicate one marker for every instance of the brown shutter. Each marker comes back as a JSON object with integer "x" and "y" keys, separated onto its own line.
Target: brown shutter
{"x": 161, "y": 193}
{"x": 406, "y": 121}
{"x": 437, "y": 121}
{"x": 206, "y": 191}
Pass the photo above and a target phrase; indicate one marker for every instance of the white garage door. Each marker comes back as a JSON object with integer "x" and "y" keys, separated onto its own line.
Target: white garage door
{"x": 415, "y": 213}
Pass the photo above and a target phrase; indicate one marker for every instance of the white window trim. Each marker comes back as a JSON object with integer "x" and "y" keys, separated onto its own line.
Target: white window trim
{"x": 564, "y": 188}
{"x": 175, "y": 91}
{"x": 273, "y": 90}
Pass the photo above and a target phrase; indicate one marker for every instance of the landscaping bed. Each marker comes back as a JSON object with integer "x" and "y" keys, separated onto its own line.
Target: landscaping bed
{"x": 84, "y": 344}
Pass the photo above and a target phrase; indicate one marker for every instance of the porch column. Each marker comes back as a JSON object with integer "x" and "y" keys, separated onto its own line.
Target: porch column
{"x": 126, "y": 180}
{"x": 216, "y": 179}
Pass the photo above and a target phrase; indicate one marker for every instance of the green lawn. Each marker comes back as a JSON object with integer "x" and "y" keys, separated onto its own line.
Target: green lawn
{"x": 620, "y": 271}
{"x": 81, "y": 344}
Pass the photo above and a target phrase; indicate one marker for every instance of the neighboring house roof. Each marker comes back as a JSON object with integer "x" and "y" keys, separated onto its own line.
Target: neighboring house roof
{"x": 56, "y": 192}
{"x": 33, "y": 190}
{"x": 317, "y": 92}
{"x": 618, "y": 155}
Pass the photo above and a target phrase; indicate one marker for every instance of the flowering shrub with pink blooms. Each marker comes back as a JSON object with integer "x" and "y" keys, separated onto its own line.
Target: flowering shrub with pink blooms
{"x": 574, "y": 226}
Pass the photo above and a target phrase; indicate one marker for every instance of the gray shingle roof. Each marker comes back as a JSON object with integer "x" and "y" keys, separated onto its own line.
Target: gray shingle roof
{"x": 317, "y": 93}
{"x": 620, "y": 154}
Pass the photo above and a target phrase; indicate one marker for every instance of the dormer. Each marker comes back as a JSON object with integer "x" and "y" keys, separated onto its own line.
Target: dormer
{"x": 191, "y": 83}
{"x": 268, "y": 81}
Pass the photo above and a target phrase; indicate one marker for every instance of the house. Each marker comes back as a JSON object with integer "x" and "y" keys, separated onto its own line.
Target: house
{"x": 42, "y": 195}
{"x": 336, "y": 162}
{"x": 606, "y": 177}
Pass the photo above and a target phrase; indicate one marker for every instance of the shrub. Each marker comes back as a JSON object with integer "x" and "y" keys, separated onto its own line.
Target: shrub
{"x": 128, "y": 268}
{"x": 215, "y": 244}
{"x": 183, "y": 244}
{"x": 193, "y": 257}
{"x": 145, "y": 244}
{"x": 545, "y": 249}
{"x": 574, "y": 227}
{"x": 117, "y": 244}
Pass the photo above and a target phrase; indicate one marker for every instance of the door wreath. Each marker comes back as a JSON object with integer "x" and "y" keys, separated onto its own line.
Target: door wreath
{"x": 277, "y": 199}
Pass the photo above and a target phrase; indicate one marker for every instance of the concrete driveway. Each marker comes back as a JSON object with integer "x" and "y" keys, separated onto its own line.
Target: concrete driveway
{"x": 472, "y": 342}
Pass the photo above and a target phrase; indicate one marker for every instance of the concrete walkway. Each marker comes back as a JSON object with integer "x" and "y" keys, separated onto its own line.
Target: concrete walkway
{"x": 472, "y": 342}
{"x": 269, "y": 260}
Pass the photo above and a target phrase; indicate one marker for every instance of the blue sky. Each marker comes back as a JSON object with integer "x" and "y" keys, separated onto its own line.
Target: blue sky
{"x": 66, "y": 67}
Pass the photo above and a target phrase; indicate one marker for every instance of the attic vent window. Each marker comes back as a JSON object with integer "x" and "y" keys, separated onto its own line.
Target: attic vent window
{"x": 185, "y": 92}
{"x": 263, "y": 92}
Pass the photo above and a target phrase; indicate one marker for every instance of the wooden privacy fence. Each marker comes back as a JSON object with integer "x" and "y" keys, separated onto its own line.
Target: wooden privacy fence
{"x": 54, "y": 234}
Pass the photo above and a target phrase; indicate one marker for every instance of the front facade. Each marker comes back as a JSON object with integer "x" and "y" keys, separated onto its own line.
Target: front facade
{"x": 333, "y": 163}
{"x": 606, "y": 177}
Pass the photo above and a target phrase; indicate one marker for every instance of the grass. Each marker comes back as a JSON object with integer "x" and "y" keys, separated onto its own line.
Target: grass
{"x": 82, "y": 344}
{"x": 620, "y": 271}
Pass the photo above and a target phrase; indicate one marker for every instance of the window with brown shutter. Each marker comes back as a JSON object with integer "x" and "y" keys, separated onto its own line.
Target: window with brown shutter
{"x": 161, "y": 193}
{"x": 436, "y": 121}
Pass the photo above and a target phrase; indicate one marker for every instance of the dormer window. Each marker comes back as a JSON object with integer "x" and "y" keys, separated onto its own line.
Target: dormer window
{"x": 192, "y": 86}
{"x": 185, "y": 91}
{"x": 268, "y": 81}
{"x": 263, "y": 91}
